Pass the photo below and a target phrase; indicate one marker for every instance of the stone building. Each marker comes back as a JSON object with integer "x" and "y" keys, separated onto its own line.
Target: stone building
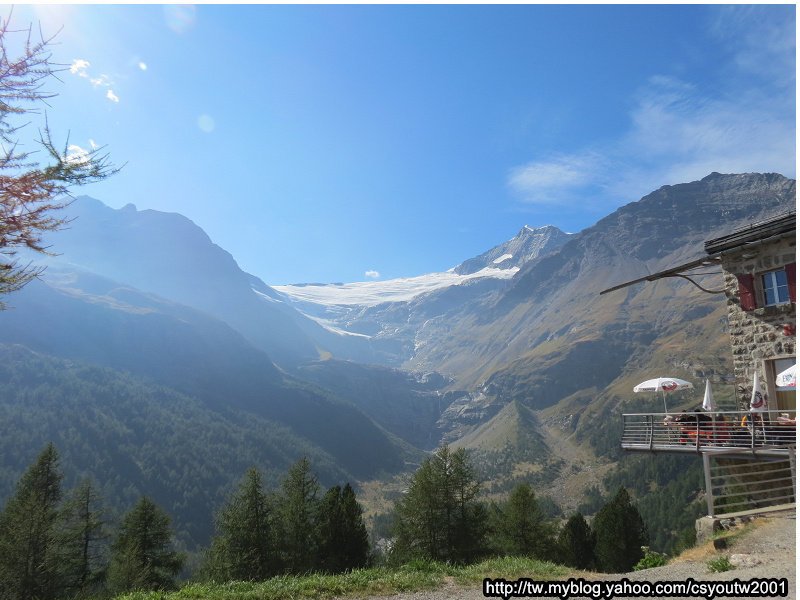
{"x": 748, "y": 458}
{"x": 758, "y": 264}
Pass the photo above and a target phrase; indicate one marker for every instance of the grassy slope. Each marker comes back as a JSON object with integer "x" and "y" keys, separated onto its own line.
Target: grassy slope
{"x": 381, "y": 580}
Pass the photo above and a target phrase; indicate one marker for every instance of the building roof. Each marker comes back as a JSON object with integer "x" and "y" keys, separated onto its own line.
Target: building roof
{"x": 776, "y": 226}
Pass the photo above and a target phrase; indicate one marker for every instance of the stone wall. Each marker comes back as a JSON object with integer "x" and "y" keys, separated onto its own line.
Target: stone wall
{"x": 758, "y": 335}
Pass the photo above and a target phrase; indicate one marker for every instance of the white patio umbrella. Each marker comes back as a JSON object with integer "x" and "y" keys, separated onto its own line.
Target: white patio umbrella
{"x": 757, "y": 401}
{"x": 708, "y": 399}
{"x": 787, "y": 378}
{"x": 663, "y": 385}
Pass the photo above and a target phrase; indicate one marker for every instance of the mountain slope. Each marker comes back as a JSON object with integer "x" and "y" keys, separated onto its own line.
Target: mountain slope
{"x": 94, "y": 320}
{"x": 168, "y": 255}
{"x": 555, "y": 300}
{"x": 135, "y": 437}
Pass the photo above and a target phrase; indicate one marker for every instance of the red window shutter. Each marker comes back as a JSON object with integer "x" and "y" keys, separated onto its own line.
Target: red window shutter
{"x": 790, "y": 274}
{"x": 747, "y": 292}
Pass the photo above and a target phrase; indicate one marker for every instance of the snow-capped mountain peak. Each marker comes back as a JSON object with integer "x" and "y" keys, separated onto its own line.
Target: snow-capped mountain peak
{"x": 529, "y": 244}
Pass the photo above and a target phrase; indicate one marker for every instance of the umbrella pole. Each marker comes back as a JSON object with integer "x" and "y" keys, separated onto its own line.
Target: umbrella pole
{"x": 664, "y": 396}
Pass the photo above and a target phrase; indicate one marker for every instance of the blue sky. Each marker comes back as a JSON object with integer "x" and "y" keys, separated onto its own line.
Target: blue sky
{"x": 336, "y": 143}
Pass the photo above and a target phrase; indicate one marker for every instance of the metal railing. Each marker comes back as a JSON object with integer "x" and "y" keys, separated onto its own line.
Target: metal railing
{"x": 767, "y": 433}
{"x": 746, "y": 486}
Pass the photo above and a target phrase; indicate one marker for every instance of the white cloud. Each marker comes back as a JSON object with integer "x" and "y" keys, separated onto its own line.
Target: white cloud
{"x": 142, "y": 66}
{"x": 112, "y": 96}
{"x": 543, "y": 181}
{"x": 372, "y": 274}
{"x": 76, "y": 154}
{"x": 93, "y": 144}
{"x": 79, "y": 66}
{"x": 681, "y": 131}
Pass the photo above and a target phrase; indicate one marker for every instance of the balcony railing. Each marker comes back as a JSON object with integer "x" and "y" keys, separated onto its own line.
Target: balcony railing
{"x": 767, "y": 433}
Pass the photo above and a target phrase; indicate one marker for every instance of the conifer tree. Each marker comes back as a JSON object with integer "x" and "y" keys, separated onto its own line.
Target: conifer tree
{"x": 142, "y": 557}
{"x": 417, "y": 525}
{"x": 620, "y": 534}
{"x": 244, "y": 548}
{"x": 297, "y": 509}
{"x": 28, "y": 533}
{"x": 343, "y": 539}
{"x": 576, "y": 543}
{"x": 522, "y": 529}
{"x": 440, "y": 517}
{"x": 83, "y": 538}
{"x": 469, "y": 519}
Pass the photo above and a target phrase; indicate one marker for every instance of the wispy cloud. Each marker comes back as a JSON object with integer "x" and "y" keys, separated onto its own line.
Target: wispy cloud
{"x": 680, "y": 131}
{"x": 142, "y": 65}
{"x": 102, "y": 80}
{"x": 372, "y": 274}
{"x": 546, "y": 181}
{"x": 112, "y": 96}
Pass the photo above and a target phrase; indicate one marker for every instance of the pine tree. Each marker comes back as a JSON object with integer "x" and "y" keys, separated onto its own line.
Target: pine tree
{"x": 28, "y": 533}
{"x": 142, "y": 557}
{"x": 83, "y": 539}
{"x": 244, "y": 548}
{"x": 522, "y": 529}
{"x": 620, "y": 534}
{"x": 343, "y": 539}
{"x": 297, "y": 509}
{"x": 469, "y": 519}
{"x": 417, "y": 523}
{"x": 440, "y": 517}
{"x": 576, "y": 543}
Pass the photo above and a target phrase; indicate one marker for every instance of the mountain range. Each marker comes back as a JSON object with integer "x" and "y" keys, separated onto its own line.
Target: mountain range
{"x": 144, "y": 325}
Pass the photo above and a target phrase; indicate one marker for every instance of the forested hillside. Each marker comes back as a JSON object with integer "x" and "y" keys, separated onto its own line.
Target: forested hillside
{"x": 136, "y": 437}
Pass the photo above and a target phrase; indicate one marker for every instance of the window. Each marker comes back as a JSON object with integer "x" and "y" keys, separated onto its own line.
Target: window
{"x": 776, "y": 288}
{"x": 767, "y": 289}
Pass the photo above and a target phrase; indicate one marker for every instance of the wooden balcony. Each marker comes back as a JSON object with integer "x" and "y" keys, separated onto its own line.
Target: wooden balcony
{"x": 768, "y": 434}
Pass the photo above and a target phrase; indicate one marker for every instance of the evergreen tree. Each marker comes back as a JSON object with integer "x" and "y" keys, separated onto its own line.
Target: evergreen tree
{"x": 620, "y": 534}
{"x": 469, "y": 519}
{"x": 244, "y": 548}
{"x": 522, "y": 529}
{"x": 440, "y": 517}
{"x": 576, "y": 543}
{"x": 142, "y": 557}
{"x": 28, "y": 533}
{"x": 297, "y": 510}
{"x": 83, "y": 538}
{"x": 343, "y": 539}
